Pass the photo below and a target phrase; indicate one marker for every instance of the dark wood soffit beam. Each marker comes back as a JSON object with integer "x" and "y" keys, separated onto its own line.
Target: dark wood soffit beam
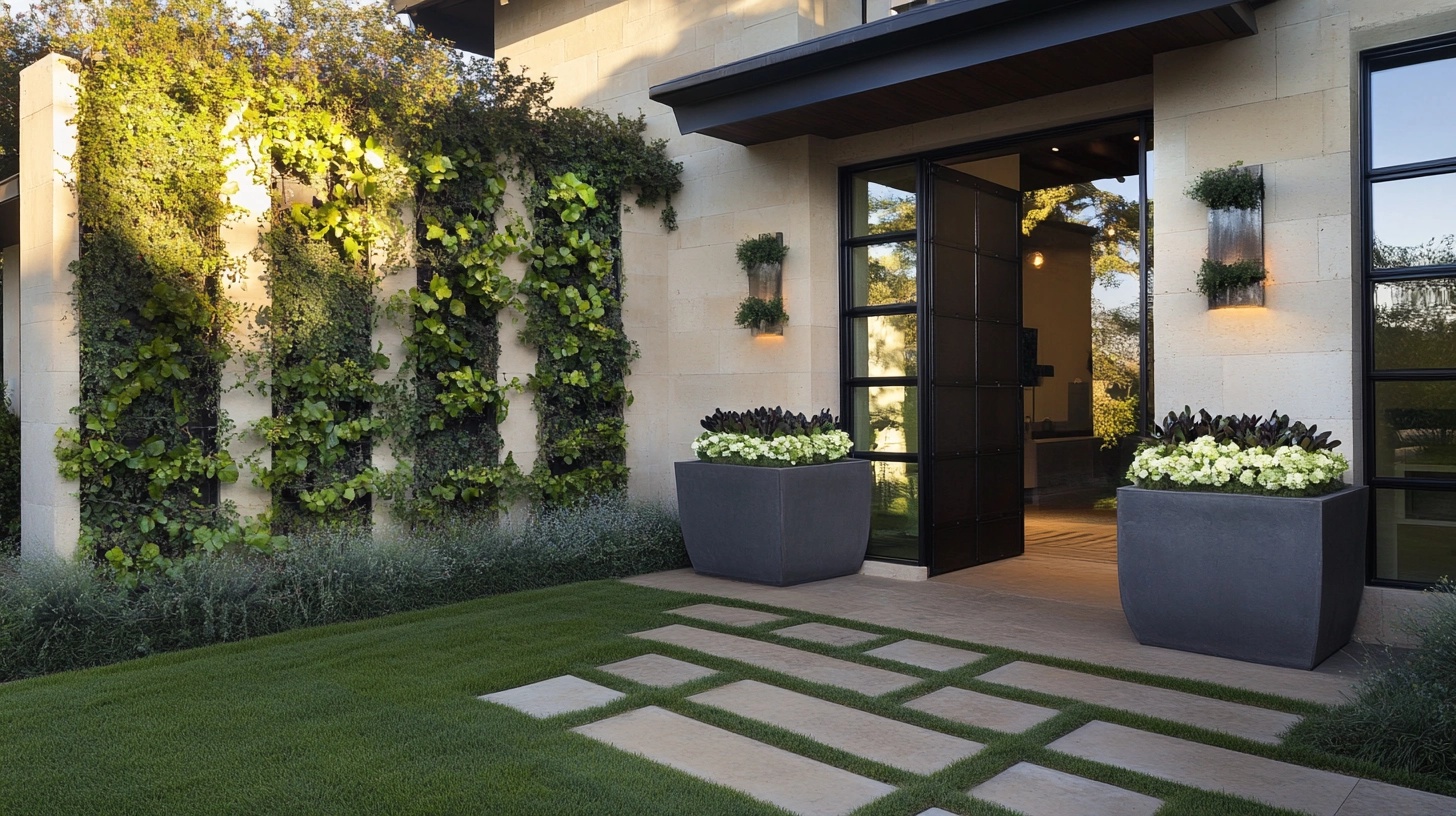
{"x": 467, "y": 24}
{"x": 758, "y": 99}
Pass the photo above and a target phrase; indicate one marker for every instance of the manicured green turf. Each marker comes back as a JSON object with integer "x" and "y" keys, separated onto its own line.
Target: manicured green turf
{"x": 381, "y": 717}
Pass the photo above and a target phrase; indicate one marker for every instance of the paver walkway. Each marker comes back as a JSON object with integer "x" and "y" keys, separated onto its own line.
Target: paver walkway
{"x": 1075, "y": 631}
{"x": 815, "y": 787}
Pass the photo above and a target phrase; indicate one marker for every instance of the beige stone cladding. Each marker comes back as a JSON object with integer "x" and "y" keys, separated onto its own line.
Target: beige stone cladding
{"x": 50, "y": 360}
{"x": 682, "y": 288}
{"x": 1286, "y": 99}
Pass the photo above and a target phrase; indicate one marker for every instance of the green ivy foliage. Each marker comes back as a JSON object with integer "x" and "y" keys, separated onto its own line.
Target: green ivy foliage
{"x": 455, "y": 345}
{"x": 153, "y": 322}
{"x": 574, "y": 318}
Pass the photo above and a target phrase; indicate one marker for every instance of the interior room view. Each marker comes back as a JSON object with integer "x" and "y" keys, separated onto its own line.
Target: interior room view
{"x": 997, "y": 335}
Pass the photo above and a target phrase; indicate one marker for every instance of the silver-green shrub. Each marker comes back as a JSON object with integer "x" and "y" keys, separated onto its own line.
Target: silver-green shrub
{"x": 56, "y": 616}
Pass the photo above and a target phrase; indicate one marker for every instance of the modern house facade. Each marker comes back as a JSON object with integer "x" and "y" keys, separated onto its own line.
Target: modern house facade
{"x": 901, "y": 150}
{"x": 971, "y": 192}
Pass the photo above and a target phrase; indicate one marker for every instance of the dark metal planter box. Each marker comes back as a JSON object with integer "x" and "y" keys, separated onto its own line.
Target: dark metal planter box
{"x": 1260, "y": 578}
{"x": 775, "y": 526}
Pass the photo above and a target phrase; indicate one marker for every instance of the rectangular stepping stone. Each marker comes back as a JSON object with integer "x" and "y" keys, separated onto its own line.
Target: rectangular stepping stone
{"x": 795, "y": 783}
{"x": 984, "y": 710}
{"x": 891, "y": 742}
{"x": 1249, "y": 722}
{"x": 1037, "y": 791}
{"x": 935, "y": 812}
{"x": 559, "y": 695}
{"x": 1371, "y": 798}
{"x": 726, "y": 615}
{"x": 657, "y": 670}
{"x": 826, "y": 633}
{"x": 931, "y": 656}
{"x": 1269, "y": 781}
{"x": 798, "y": 663}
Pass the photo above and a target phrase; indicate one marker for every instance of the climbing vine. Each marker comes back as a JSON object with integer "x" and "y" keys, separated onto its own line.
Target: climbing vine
{"x": 153, "y": 323}
{"x": 319, "y": 333}
{"x": 573, "y": 316}
{"x": 454, "y": 346}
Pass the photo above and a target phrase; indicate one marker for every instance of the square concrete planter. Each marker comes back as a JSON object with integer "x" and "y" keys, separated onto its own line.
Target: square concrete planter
{"x": 775, "y": 526}
{"x": 1260, "y": 578}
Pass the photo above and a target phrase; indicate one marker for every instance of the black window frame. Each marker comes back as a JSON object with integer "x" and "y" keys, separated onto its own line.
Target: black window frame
{"x": 1373, "y": 61}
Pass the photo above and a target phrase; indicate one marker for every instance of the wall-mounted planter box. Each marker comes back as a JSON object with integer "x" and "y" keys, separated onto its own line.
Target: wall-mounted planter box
{"x": 1238, "y": 296}
{"x": 1266, "y": 579}
{"x": 775, "y": 526}
{"x": 1238, "y": 235}
{"x": 766, "y": 281}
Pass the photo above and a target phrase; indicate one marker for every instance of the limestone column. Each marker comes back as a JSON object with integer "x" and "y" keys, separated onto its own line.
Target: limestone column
{"x": 245, "y": 404}
{"x": 390, "y": 329}
{"x": 50, "y": 512}
{"x": 518, "y": 431}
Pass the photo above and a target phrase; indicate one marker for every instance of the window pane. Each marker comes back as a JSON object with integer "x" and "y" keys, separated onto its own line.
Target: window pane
{"x": 1415, "y": 534}
{"x": 895, "y": 511}
{"x": 1413, "y": 222}
{"x": 884, "y": 274}
{"x": 1413, "y": 113}
{"x": 1415, "y": 324}
{"x": 886, "y": 419}
{"x": 883, "y": 201}
{"x": 1415, "y": 429}
{"x": 885, "y": 346}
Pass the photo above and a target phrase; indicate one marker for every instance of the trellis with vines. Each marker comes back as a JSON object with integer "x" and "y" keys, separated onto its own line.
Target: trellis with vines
{"x": 354, "y": 155}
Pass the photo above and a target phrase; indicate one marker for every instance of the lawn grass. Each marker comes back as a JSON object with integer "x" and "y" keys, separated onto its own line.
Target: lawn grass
{"x": 379, "y": 716}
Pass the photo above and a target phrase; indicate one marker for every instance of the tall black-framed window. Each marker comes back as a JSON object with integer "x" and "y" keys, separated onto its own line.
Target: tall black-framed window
{"x": 1409, "y": 259}
{"x": 879, "y": 358}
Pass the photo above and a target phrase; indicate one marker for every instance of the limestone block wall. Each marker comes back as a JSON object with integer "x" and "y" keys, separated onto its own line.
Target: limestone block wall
{"x": 682, "y": 288}
{"x": 1286, "y": 98}
{"x": 50, "y": 513}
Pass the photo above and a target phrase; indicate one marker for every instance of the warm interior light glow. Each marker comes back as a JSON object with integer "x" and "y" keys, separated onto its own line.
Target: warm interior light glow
{"x": 1038, "y": 260}
{"x": 1056, "y": 150}
{"x": 1137, "y": 138}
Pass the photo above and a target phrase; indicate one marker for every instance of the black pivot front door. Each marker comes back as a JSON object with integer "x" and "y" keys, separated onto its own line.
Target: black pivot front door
{"x": 972, "y": 315}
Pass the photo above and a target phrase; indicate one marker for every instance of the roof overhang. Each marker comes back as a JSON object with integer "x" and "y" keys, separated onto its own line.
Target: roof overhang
{"x": 468, "y": 24}
{"x": 9, "y": 211}
{"x": 939, "y": 60}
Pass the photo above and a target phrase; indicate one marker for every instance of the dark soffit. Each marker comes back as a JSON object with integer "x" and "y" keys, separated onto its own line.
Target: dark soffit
{"x": 9, "y": 211}
{"x": 467, "y": 24}
{"x": 939, "y": 60}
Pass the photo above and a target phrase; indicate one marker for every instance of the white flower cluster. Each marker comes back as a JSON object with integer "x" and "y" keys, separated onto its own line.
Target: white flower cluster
{"x": 1204, "y": 463}
{"x": 779, "y": 451}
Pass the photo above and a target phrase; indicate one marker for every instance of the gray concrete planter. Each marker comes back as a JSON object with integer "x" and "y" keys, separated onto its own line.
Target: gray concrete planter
{"x": 1258, "y": 578}
{"x": 775, "y": 526}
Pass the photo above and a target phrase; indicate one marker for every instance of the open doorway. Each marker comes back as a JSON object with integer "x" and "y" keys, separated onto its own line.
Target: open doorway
{"x": 1082, "y": 327}
{"x": 996, "y": 331}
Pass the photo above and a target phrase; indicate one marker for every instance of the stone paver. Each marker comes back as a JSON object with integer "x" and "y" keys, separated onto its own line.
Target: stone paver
{"x": 795, "y": 783}
{"x": 559, "y": 695}
{"x": 1204, "y": 766}
{"x": 798, "y": 663}
{"x": 897, "y": 744}
{"x": 935, "y": 812}
{"x": 726, "y": 615}
{"x": 984, "y": 710}
{"x": 826, "y": 633}
{"x": 1249, "y": 722}
{"x": 1371, "y": 798}
{"x": 657, "y": 670}
{"x": 1037, "y": 791}
{"x": 931, "y": 656}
